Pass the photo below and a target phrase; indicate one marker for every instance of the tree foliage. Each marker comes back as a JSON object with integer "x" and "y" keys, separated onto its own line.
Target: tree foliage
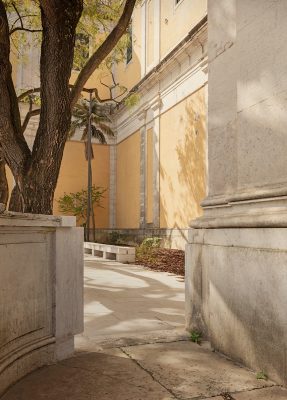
{"x": 97, "y": 20}
{"x": 95, "y": 113}
{"x": 54, "y": 25}
{"x": 76, "y": 203}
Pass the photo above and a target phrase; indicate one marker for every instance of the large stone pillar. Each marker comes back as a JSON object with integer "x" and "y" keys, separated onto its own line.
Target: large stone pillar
{"x": 237, "y": 253}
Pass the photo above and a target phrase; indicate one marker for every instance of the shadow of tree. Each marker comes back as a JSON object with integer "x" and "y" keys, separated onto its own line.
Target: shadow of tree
{"x": 129, "y": 300}
{"x": 183, "y": 165}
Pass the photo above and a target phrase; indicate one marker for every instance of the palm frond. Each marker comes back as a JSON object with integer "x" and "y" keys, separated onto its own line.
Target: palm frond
{"x": 105, "y": 129}
{"x": 98, "y": 134}
{"x": 85, "y": 134}
{"x": 99, "y": 118}
{"x": 75, "y": 124}
{"x": 95, "y": 119}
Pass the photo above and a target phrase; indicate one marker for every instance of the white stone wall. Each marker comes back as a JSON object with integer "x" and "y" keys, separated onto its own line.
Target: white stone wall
{"x": 41, "y": 292}
{"x": 236, "y": 256}
{"x": 247, "y": 99}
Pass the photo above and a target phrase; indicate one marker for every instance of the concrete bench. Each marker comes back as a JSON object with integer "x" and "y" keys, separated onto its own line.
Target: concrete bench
{"x": 110, "y": 252}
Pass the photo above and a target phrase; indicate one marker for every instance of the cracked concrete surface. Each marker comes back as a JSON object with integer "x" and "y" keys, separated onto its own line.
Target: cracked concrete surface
{"x": 148, "y": 358}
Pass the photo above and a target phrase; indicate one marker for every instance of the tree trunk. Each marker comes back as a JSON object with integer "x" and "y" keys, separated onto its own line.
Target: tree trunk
{"x": 4, "y": 191}
{"x": 36, "y": 173}
{"x": 36, "y": 180}
{"x": 15, "y": 203}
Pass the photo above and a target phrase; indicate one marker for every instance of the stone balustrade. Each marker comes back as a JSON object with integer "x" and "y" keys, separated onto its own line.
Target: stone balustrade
{"x": 41, "y": 292}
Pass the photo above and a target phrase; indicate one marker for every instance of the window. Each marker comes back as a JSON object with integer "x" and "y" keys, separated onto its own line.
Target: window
{"x": 129, "y": 55}
{"x": 82, "y": 51}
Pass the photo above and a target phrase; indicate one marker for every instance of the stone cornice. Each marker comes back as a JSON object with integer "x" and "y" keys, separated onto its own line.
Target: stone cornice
{"x": 13, "y": 219}
{"x": 165, "y": 93}
{"x": 175, "y": 58}
{"x": 258, "y": 213}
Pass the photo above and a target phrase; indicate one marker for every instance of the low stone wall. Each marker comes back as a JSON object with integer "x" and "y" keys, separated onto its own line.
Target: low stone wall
{"x": 236, "y": 294}
{"x": 41, "y": 292}
{"x": 171, "y": 238}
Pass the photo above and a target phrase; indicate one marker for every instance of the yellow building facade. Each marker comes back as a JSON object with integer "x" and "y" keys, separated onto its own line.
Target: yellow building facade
{"x": 160, "y": 150}
{"x": 154, "y": 170}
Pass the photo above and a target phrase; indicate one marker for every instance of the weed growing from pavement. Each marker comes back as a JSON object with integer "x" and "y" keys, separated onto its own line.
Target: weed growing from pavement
{"x": 262, "y": 375}
{"x": 196, "y": 337}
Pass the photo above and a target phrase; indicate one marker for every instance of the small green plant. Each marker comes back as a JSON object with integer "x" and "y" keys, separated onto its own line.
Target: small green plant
{"x": 132, "y": 100}
{"x": 151, "y": 242}
{"x": 196, "y": 337}
{"x": 262, "y": 375}
{"x": 77, "y": 203}
{"x": 227, "y": 396}
{"x": 114, "y": 237}
{"x": 147, "y": 247}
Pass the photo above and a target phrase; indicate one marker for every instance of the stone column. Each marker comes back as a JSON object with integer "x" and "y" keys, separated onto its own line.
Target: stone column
{"x": 143, "y": 177}
{"x": 113, "y": 185}
{"x": 237, "y": 252}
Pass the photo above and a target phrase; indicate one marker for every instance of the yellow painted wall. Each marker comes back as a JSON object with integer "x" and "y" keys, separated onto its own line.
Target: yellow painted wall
{"x": 129, "y": 74}
{"x": 182, "y": 161}
{"x": 150, "y": 39}
{"x": 15, "y": 64}
{"x": 149, "y": 176}
{"x": 178, "y": 20}
{"x": 10, "y": 180}
{"x": 73, "y": 176}
{"x": 128, "y": 182}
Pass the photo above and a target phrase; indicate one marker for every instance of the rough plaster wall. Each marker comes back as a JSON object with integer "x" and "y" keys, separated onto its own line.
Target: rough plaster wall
{"x": 182, "y": 162}
{"x": 177, "y": 20}
{"x": 74, "y": 176}
{"x": 128, "y": 183}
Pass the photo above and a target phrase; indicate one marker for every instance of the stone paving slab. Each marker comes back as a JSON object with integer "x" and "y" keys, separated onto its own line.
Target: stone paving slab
{"x": 191, "y": 371}
{"x": 159, "y": 371}
{"x": 274, "y": 393}
{"x": 125, "y": 299}
{"x": 130, "y": 353}
{"x": 90, "y": 376}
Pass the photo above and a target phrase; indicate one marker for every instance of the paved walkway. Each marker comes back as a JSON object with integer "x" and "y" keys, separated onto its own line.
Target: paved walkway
{"x": 126, "y": 301}
{"x": 134, "y": 348}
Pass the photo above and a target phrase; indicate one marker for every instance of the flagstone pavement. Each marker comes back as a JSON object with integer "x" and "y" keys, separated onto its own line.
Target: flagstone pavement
{"x": 134, "y": 347}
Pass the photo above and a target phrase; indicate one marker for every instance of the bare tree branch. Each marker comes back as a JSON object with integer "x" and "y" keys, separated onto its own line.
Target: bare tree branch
{"x": 21, "y": 17}
{"x": 15, "y": 148}
{"x": 28, "y": 93}
{"x": 17, "y": 12}
{"x": 31, "y": 113}
{"x": 103, "y": 51}
{"x": 111, "y": 88}
{"x": 19, "y": 28}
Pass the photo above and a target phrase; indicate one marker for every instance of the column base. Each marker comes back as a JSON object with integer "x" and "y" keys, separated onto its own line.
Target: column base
{"x": 236, "y": 294}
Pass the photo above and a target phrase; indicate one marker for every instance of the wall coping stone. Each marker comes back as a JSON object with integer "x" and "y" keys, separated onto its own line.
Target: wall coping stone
{"x": 8, "y": 218}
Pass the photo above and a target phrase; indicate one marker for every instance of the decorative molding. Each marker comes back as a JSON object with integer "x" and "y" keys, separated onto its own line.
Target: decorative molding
{"x": 156, "y": 104}
{"x": 250, "y": 195}
{"x": 163, "y": 91}
{"x": 113, "y": 186}
{"x": 258, "y": 213}
{"x": 143, "y": 178}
